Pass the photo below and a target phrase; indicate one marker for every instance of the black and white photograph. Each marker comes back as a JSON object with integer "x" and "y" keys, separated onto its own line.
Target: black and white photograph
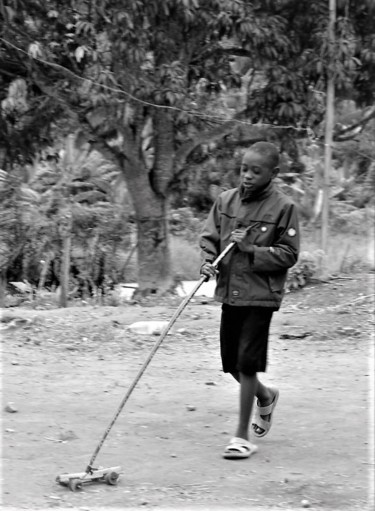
{"x": 187, "y": 255}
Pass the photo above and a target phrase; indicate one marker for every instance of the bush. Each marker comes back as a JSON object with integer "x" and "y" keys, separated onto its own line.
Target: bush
{"x": 183, "y": 222}
{"x": 305, "y": 269}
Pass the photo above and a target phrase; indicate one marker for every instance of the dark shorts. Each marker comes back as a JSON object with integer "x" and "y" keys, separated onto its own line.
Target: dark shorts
{"x": 244, "y": 338}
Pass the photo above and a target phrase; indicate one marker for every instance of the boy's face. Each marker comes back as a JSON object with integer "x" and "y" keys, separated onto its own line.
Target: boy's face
{"x": 256, "y": 171}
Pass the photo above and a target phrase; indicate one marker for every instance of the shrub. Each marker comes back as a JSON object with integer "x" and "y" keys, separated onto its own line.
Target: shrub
{"x": 183, "y": 222}
{"x": 305, "y": 269}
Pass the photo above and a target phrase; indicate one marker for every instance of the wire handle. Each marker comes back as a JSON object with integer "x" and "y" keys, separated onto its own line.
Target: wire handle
{"x": 183, "y": 304}
{"x": 227, "y": 249}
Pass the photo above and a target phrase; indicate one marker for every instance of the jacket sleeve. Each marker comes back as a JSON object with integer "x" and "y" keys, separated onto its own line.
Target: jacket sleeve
{"x": 283, "y": 253}
{"x": 210, "y": 235}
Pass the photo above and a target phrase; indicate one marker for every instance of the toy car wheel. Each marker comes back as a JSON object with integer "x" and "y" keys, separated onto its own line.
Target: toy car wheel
{"x": 74, "y": 484}
{"x": 111, "y": 478}
{"x": 63, "y": 483}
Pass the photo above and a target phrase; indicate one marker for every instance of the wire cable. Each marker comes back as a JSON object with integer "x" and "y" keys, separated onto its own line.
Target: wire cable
{"x": 149, "y": 103}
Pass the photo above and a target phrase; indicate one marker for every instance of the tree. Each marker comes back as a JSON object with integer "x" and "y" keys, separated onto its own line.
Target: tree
{"x": 148, "y": 52}
{"x": 145, "y": 75}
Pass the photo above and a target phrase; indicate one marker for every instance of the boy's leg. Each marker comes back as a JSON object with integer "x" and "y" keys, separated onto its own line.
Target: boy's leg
{"x": 264, "y": 395}
{"x": 248, "y": 390}
{"x": 253, "y": 352}
{"x": 244, "y": 339}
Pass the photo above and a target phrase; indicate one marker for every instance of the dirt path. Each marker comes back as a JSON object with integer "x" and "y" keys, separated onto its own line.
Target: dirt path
{"x": 67, "y": 371}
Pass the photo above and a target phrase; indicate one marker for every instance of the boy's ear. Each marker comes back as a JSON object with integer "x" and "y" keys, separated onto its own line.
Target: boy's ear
{"x": 275, "y": 171}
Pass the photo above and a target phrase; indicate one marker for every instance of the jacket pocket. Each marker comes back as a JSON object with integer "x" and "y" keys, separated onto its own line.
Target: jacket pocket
{"x": 277, "y": 281}
{"x": 263, "y": 235}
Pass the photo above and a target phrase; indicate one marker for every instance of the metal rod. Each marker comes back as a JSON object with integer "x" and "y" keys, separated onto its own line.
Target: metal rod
{"x": 329, "y": 121}
{"x": 152, "y": 353}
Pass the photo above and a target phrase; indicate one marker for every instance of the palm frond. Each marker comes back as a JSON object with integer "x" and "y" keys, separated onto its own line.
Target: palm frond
{"x": 27, "y": 194}
{"x": 90, "y": 197}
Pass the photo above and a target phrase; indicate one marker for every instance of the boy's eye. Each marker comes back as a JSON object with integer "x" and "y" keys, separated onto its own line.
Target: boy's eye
{"x": 253, "y": 170}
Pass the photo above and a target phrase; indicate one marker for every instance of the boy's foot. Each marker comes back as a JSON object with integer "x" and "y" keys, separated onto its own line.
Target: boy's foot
{"x": 239, "y": 448}
{"x": 262, "y": 420}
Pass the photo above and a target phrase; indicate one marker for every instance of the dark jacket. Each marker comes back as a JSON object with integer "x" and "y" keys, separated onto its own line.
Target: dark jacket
{"x": 256, "y": 276}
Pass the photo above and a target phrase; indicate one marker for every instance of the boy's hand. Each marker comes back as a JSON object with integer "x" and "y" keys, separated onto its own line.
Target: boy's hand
{"x": 207, "y": 270}
{"x": 239, "y": 235}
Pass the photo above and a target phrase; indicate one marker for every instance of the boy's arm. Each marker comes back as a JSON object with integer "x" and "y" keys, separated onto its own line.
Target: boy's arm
{"x": 283, "y": 253}
{"x": 210, "y": 235}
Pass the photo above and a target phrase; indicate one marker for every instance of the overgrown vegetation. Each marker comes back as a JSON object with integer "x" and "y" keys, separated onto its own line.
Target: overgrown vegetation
{"x": 164, "y": 96}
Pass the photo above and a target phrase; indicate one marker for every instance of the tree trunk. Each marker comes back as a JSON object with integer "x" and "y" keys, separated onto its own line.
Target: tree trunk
{"x": 65, "y": 266}
{"x": 149, "y": 194}
{"x": 151, "y": 211}
{"x": 43, "y": 273}
{"x": 154, "y": 258}
{"x": 330, "y": 98}
{"x": 65, "y": 231}
{"x": 3, "y": 284}
{"x": 162, "y": 171}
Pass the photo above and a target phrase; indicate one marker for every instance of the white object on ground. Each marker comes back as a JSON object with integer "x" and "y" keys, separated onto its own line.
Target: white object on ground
{"x": 148, "y": 327}
{"x": 371, "y": 251}
{"x": 10, "y": 408}
{"x": 206, "y": 289}
{"x": 126, "y": 291}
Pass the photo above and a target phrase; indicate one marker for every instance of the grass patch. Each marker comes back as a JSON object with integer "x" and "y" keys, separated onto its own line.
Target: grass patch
{"x": 347, "y": 252}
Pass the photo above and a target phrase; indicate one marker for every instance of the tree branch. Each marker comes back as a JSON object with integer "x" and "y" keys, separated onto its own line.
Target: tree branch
{"x": 349, "y": 132}
{"x": 237, "y": 51}
{"x": 250, "y": 132}
{"x": 203, "y": 138}
{"x": 12, "y": 68}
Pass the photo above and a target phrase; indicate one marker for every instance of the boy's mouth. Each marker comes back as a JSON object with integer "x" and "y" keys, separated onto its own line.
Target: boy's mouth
{"x": 247, "y": 184}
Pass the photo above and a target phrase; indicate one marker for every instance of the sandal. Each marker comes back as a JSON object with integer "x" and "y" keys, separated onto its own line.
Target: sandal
{"x": 239, "y": 448}
{"x": 260, "y": 423}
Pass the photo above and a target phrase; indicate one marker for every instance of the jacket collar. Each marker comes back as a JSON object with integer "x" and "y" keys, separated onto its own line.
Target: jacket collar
{"x": 248, "y": 196}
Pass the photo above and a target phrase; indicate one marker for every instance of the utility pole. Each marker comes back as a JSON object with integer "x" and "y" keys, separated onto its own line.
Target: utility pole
{"x": 328, "y": 131}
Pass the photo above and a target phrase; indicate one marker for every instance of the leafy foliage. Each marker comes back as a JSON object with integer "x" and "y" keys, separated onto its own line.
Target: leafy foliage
{"x": 78, "y": 186}
{"x": 176, "y": 53}
{"x": 296, "y": 83}
{"x": 153, "y": 81}
{"x": 18, "y": 212}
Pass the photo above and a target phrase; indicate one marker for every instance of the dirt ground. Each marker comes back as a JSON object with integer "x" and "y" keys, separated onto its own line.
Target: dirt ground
{"x": 65, "y": 371}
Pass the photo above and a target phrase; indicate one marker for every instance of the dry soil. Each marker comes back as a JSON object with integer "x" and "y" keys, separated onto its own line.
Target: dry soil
{"x": 65, "y": 371}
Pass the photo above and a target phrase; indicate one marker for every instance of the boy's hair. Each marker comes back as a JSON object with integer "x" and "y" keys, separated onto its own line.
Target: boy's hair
{"x": 267, "y": 149}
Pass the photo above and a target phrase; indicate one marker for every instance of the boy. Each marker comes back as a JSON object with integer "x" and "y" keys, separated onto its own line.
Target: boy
{"x": 250, "y": 281}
